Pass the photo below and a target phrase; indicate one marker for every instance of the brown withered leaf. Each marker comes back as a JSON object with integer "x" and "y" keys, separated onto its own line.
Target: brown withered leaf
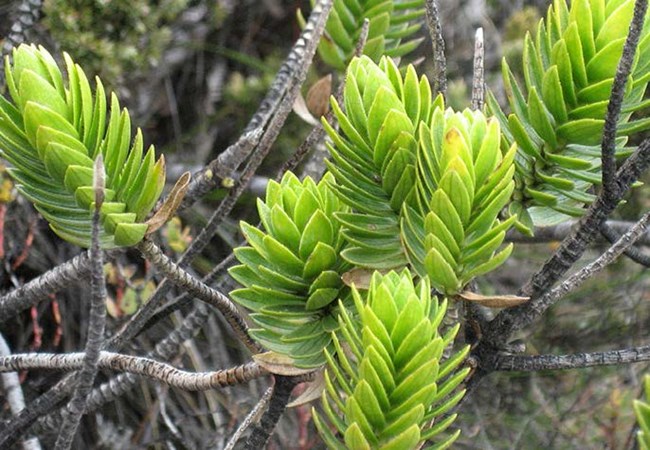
{"x": 172, "y": 202}
{"x": 278, "y": 364}
{"x": 359, "y": 277}
{"x": 493, "y": 301}
{"x": 318, "y": 96}
{"x": 312, "y": 392}
{"x": 300, "y": 108}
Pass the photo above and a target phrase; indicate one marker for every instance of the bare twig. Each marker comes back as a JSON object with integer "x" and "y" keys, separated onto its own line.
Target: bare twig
{"x": 209, "y": 177}
{"x": 123, "y": 383}
{"x": 277, "y": 404}
{"x": 478, "y": 79}
{"x": 14, "y": 395}
{"x": 195, "y": 287}
{"x": 633, "y": 253}
{"x": 363, "y": 38}
{"x": 36, "y": 290}
{"x": 15, "y": 428}
{"x": 527, "y": 363}
{"x": 531, "y": 310}
{"x": 250, "y": 419}
{"x": 438, "y": 42}
{"x": 186, "y": 299}
{"x": 560, "y": 231}
{"x": 156, "y": 370}
{"x": 315, "y": 165}
{"x": 56, "y": 396}
{"x": 608, "y": 146}
{"x": 96, "y": 321}
{"x": 27, "y": 15}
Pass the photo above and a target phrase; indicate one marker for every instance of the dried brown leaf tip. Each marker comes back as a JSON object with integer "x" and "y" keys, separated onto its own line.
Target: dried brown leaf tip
{"x": 313, "y": 390}
{"x": 172, "y": 202}
{"x": 359, "y": 277}
{"x": 278, "y": 364}
{"x": 493, "y": 301}
{"x": 318, "y": 96}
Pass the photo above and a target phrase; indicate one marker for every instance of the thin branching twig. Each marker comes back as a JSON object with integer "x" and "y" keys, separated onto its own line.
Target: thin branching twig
{"x": 608, "y": 145}
{"x": 559, "y": 232}
{"x": 224, "y": 166}
{"x": 276, "y": 406}
{"x": 147, "y": 367}
{"x": 315, "y": 165}
{"x": 250, "y": 419}
{"x": 439, "y": 60}
{"x": 528, "y": 363}
{"x": 14, "y": 395}
{"x": 96, "y": 321}
{"x": 123, "y": 383}
{"x": 185, "y": 299}
{"x": 196, "y": 288}
{"x": 37, "y": 290}
{"x": 633, "y": 253}
{"x": 478, "y": 78}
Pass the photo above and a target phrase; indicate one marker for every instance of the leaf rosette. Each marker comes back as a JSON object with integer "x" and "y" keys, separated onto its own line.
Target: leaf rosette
{"x": 453, "y": 232}
{"x": 373, "y": 156}
{"x": 392, "y": 23}
{"x": 388, "y": 387}
{"x": 290, "y": 271}
{"x": 52, "y": 133}
{"x": 557, "y": 118}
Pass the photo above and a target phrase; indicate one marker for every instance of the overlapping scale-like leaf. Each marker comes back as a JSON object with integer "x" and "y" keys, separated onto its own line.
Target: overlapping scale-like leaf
{"x": 642, "y": 410}
{"x": 290, "y": 271}
{"x": 373, "y": 156}
{"x": 452, "y": 233}
{"x": 557, "y": 120}
{"x": 52, "y": 133}
{"x": 392, "y": 23}
{"x": 387, "y": 386}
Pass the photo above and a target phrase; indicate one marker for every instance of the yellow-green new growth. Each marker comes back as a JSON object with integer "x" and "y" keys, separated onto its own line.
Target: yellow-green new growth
{"x": 453, "y": 233}
{"x": 387, "y": 386}
{"x": 291, "y": 269}
{"x": 52, "y": 133}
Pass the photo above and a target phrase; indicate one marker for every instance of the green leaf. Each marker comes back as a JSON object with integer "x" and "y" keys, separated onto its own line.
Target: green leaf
{"x": 407, "y": 439}
{"x": 444, "y": 208}
{"x": 281, "y": 256}
{"x": 317, "y": 230}
{"x": 541, "y": 119}
{"x": 322, "y": 258}
{"x": 616, "y": 25}
{"x": 584, "y": 131}
{"x": 603, "y": 65}
{"x": 442, "y": 275}
{"x": 525, "y": 136}
{"x": 355, "y": 439}
{"x": 490, "y": 265}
